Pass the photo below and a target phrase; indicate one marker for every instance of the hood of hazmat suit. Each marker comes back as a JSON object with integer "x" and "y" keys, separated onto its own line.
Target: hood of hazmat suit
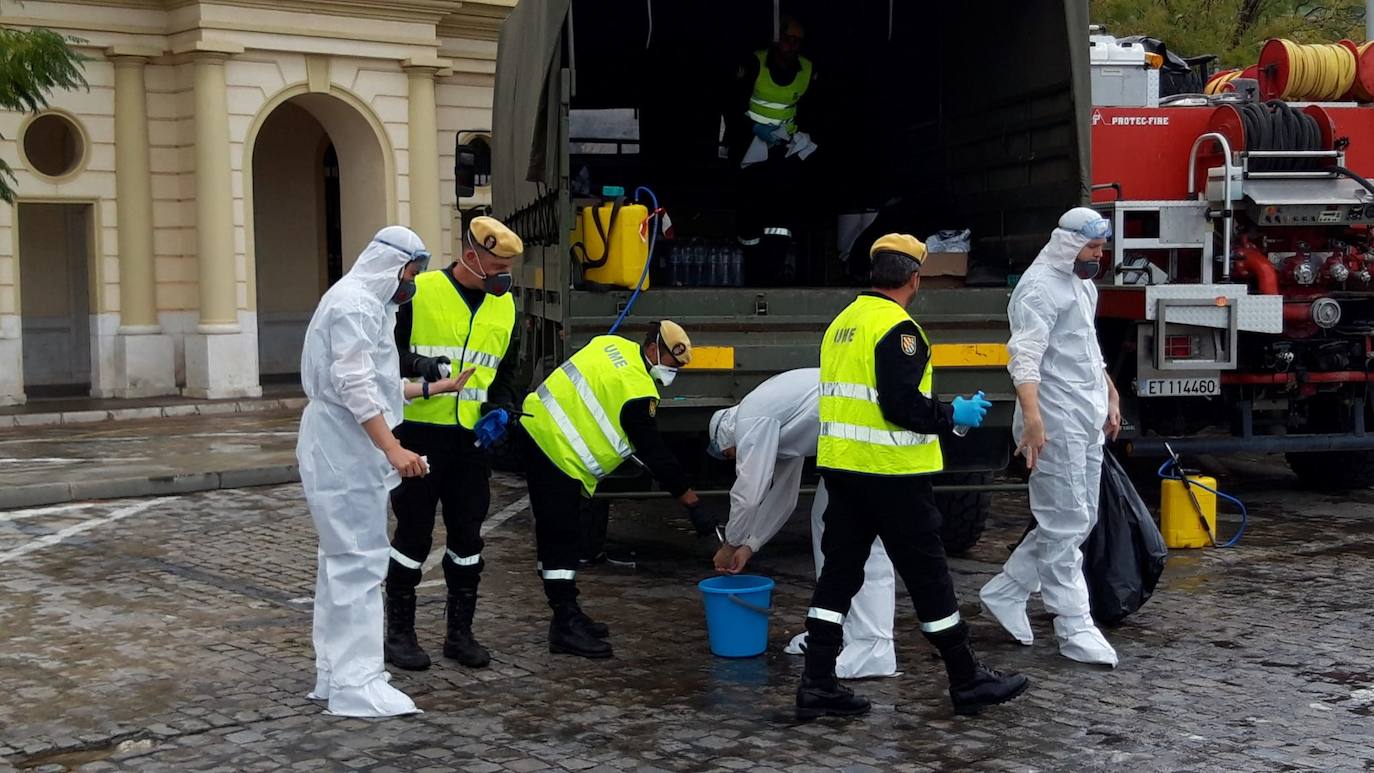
{"x": 773, "y": 430}
{"x": 1054, "y": 344}
{"x": 350, "y": 370}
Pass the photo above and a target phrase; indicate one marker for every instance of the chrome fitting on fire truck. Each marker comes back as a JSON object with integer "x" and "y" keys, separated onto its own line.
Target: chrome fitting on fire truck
{"x": 1326, "y": 313}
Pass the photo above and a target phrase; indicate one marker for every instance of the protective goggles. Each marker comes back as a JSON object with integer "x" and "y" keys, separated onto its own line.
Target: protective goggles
{"x": 1097, "y": 229}
{"x": 420, "y": 257}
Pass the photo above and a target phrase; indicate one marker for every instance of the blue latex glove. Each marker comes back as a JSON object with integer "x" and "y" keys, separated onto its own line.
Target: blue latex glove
{"x": 765, "y": 132}
{"x": 969, "y": 411}
{"x": 491, "y": 427}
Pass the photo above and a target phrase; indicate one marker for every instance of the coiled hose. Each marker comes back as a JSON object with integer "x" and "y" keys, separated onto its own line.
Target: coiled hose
{"x": 1275, "y": 125}
{"x": 1322, "y": 72}
{"x": 1217, "y": 83}
{"x": 1169, "y": 471}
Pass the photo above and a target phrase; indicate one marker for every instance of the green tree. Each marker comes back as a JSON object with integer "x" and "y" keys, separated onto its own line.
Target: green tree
{"x": 1233, "y": 30}
{"x": 32, "y": 64}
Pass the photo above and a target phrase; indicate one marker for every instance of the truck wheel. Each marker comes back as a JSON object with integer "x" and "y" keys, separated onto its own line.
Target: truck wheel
{"x": 965, "y": 513}
{"x": 1333, "y": 469}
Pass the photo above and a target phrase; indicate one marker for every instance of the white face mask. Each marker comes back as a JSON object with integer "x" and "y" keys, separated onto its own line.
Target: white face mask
{"x": 662, "y": 373}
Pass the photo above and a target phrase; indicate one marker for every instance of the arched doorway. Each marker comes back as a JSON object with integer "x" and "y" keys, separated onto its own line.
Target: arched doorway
{"x": 319, "y": 193}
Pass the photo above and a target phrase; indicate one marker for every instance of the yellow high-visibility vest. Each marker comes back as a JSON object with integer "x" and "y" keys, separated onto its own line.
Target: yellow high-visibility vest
{"x": 855, "y": 436}
{"x": 444, "y": 325}
{"x": 574, "y": 416}
{"x": 773, "y": 104}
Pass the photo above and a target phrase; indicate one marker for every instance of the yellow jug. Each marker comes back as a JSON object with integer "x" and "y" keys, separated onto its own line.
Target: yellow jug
{"x": 607, "y": 242}
{"x": 1178, "y": 517}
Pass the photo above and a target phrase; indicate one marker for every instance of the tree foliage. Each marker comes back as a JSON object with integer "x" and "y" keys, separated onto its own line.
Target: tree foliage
{"x": 33, "y": 63}
{"x": 1233, "y": 30}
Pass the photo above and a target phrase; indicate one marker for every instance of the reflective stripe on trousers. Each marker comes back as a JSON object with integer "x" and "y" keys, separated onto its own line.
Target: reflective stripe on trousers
{"x": 559, "y": 574}
{"x": 463, "y": 560}
{"x": 405, "y": 560}
{"x": 825, "y": 615}
{"x": 943, "y": 624}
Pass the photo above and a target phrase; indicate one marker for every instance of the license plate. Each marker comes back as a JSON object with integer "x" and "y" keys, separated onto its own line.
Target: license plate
{"x": 1179, "y": 387}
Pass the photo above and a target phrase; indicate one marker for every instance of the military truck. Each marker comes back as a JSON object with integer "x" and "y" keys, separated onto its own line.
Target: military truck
{"x": 932, "y": 118}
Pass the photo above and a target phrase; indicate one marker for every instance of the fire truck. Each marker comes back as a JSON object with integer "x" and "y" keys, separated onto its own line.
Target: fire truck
{"x": 1238, "y": 313}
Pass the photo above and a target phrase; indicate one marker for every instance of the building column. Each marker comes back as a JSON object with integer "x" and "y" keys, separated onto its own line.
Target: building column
{"x": 424, "y": 150}
{"x": 144, "y": 358}
{"x": 221, "y": 357}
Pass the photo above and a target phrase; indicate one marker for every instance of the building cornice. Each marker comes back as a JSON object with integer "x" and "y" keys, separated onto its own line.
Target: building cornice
{"x": 476, "y": 20}
{"x": 424, "y": 11}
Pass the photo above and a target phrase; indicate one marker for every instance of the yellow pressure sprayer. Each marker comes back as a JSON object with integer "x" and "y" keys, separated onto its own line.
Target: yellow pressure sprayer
{"x": 1188, "y": 507}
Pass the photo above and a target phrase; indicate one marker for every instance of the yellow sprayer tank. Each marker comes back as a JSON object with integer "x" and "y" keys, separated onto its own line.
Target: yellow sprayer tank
{"x": 628, "y": 253}
{"x": 1178, "y": 517}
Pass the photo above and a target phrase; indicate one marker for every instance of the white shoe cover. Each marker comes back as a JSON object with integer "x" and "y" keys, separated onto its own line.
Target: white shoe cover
{"x": 858, "y": 660}
{"x": 1005, "y": 599}
{"x": 867, "y": 659}
{"x": 1079, "y": 639}
{"x": 321, "y": 691}
{"x": 374, "y": 699}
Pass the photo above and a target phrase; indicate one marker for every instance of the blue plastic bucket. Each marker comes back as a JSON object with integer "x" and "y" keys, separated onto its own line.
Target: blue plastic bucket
{"x": 737, "y": 609}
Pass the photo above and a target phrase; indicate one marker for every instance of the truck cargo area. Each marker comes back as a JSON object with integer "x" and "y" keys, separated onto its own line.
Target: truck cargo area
{"x": 912, "y": 127}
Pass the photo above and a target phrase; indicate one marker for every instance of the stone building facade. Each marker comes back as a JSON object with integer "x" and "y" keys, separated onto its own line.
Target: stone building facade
{"x": 178, "y": 221}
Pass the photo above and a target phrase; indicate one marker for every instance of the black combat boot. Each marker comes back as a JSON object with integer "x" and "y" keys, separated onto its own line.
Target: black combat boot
{"x": 972, "y": 685}
{"x": 401, "y": 648}
{"x": 598, "y": 630}
{"x": 573, "y": 633}
{"x": 458, "y": 643}
{"x": 820, "y": 693}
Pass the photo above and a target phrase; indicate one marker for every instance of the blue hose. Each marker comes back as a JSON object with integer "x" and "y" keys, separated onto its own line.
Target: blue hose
{"x": 1169, "y": 471}
{"x": 648, "y": 260}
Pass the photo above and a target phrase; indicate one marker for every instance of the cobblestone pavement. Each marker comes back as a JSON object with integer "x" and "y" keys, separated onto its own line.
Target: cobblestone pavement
{"x": 174, "y": 634}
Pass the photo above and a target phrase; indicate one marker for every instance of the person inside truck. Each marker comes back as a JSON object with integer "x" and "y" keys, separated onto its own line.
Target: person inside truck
{"x": 770, "y": 149}
{"x": 769, "y": 435}
{"x": 591, "y": 414}
{"x": 1066, "y": 406}
{"x": 879, "y": 444}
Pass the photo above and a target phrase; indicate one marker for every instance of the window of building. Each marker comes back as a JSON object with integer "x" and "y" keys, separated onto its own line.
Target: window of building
{"x": 53, "y": 145}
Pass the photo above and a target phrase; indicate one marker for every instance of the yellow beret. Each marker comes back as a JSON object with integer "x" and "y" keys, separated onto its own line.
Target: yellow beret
{"x": 676, "y": 340}
{"x": 495, "y": 237}
{"x": 904, "y": 244}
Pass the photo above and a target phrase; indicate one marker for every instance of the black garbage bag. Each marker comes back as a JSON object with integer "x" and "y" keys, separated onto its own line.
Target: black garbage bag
{"x": 1176, "y": 76}
{"x": 1124, "y": 554}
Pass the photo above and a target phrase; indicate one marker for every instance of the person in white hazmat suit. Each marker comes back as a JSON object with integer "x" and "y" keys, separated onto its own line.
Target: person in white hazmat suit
{"x": 349, "y": 459}
{"x": 769, "y": 435}
{"x": 1066, "y": 406}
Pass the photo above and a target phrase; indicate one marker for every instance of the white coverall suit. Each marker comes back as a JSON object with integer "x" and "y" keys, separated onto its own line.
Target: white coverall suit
{"x": 351, "y": 373}
{"x": 1054, "y": 342}
{"x": 773, "y": 430}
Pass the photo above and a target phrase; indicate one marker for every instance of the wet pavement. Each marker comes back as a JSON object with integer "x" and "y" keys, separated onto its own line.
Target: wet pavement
{"x": 174, "y": 634}
{"x": 100, "y": 460}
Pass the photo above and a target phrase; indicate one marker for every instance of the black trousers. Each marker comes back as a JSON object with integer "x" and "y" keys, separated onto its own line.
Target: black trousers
{"x": 460, "y": 481}
{"x": 555, "y": 501}
{"x": 901, "y": 510}
{"x": 775, "y": 199}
